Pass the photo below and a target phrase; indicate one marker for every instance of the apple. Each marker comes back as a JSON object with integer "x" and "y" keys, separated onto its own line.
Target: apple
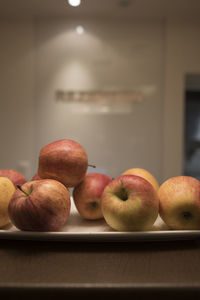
{"x": 130, "y": 203}
{"x": 145, "y": 174}
{"x": 63, "y": 160}
{"x": 179, "y": 198}
{"x": 87, "y": 195}
{"x": 15, "y": 176}
{"x": 7, "y": 190}
{"x": 40, "y": 205}
{"x": 36, "y": 177}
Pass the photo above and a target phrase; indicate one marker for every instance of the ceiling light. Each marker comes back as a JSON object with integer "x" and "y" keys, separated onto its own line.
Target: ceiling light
{"x": 74, "y": 2}
{"x": 79, "y": 30}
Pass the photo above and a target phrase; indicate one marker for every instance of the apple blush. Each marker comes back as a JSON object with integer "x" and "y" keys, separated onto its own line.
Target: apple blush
{"x": 40, "y": 205}
{"x": 63, "y": 160}
{"x": 180, "y": 203}
{"x": 130, "y": 203}
{"x": 87, "y": 195}
{"x": 144, "y": 174}
{"x": 36, "y": 177}
{"x": 15, "y": 176}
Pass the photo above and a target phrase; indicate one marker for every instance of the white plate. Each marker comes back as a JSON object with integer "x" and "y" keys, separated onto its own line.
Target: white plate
{"x": 77, "y": 229}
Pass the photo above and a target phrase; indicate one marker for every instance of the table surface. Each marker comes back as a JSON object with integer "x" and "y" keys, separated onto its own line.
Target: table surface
{"x": 70, "y": 267}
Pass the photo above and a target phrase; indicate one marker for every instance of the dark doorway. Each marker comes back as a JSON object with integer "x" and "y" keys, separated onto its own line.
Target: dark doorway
{"x": 192, "y": 134}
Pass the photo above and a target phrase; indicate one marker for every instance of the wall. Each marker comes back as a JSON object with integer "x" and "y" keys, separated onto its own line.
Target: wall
{"x": 152, "y": 53}
{"x": 16, "y": 98}
{"x": 108, "y": 56}
{"x": 182, "y": 57}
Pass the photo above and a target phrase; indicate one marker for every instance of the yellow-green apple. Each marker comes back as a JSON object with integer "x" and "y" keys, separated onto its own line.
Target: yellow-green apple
{"x": 130, "y": 203}
{"x": 7, "y": 190}
{"x": 63, "y": 160}
{"x": 179, "y": 198}
{"x": 40, "y": 205}
{"x": 87, "y": 195}
{"x": 145, "y": 174}
{"x": 15, "y": 176}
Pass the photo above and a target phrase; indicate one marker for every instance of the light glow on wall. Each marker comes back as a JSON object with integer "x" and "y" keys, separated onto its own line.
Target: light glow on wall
{"x": 79, "y": 30}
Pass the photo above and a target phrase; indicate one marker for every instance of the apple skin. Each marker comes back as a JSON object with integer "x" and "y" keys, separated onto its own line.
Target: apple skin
{"x": 180, "y": 202}
{"x": 144, "y": 174}
{"x": 46, "y": 207}
{"x": 130, "y": 203}
{"x": 15, "y": 176}
{"x": 87, "y": 195}
{"x": 63, "y": 160}
{"x": 36, "y": 177}
{"x": 7, "y": 190}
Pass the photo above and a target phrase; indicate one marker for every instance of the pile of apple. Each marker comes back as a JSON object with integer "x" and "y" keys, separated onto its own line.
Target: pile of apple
{"x": 130, "y": 202}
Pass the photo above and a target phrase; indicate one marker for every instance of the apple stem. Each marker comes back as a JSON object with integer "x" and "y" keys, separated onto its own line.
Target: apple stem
{"x": 20, "y": 188}
{"x": 93, "y": 166}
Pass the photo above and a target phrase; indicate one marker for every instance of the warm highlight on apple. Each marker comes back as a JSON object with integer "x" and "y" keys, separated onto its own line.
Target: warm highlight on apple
{"x": 40, "y": 205}
{"x": 63, "y": 160}
{"x": 144, "y": 174}
{"x": 180, "y": 203}
{"x": 130, "y": 203}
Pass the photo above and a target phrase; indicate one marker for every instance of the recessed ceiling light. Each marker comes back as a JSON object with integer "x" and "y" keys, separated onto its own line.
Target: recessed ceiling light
{"x": 74, "y": 2}
{"x": 79, "y": 29}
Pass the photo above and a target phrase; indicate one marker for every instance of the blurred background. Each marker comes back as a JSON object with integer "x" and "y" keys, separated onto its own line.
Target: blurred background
{"x": 120, "y": 77}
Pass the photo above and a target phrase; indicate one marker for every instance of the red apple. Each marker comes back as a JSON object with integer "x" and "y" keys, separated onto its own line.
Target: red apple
{"x": 87, "y": 195}
{"x": 63, "y": 160}
{"x": 130, "y": 203}
{"x": 36, "y": 177}
{"x": 41, "y": 205}
{"x": 180, "y": 202}
{"x": 14, "y": 176}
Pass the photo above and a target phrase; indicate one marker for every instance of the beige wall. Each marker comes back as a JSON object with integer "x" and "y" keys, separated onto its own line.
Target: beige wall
{"x": 16, "y": 95}
{"x": 182, "y": 57}
{"x": 109, "y": 56}
{"x": 37, "y": 58}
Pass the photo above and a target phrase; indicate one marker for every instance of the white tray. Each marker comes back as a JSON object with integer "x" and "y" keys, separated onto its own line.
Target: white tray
{"x": 78, "y": 230}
